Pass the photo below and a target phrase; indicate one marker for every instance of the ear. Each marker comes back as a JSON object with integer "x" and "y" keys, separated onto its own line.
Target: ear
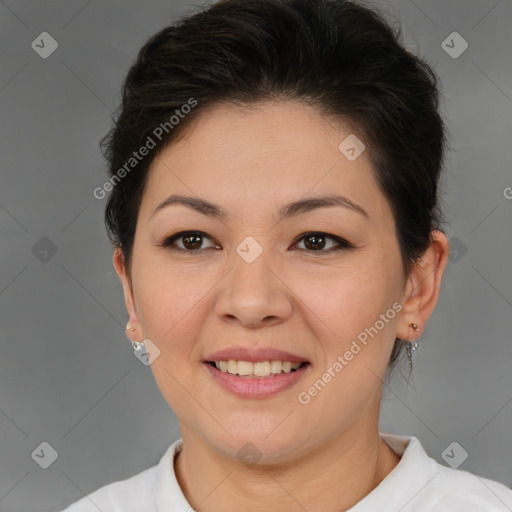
{"x": 119, "y": 265}
{"x": 422, "y": 288}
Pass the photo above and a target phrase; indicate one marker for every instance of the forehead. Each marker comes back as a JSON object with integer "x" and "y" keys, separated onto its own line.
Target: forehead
{"x": 268, "y": 154}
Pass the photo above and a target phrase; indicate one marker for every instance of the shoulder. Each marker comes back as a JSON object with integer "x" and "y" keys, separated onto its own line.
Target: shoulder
{"x": 421, "y": 484}
{"x": 456, "y": 489}
{"x": 131, "y": 494}
{"x": 151, "y": 490}
{"x": 146, "y": 490}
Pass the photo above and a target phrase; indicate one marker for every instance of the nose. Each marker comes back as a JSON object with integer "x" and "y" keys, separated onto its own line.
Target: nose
{"x": 254, "y": 294}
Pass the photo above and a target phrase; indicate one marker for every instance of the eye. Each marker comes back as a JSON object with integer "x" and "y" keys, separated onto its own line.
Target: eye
{"x": 192, "y": 241}
{"x": 315, "y": 242}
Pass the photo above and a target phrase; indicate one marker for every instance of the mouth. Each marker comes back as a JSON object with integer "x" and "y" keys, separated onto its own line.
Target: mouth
{"x": 256, "y": 380}
{"x": 258, "y": 369}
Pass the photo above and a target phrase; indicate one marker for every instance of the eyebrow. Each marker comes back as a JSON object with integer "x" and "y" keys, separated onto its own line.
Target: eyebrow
{"x": 288, "y": 210}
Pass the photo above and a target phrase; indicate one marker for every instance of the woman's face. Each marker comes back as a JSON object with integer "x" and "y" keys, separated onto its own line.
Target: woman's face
{"x": 249, "y": 281}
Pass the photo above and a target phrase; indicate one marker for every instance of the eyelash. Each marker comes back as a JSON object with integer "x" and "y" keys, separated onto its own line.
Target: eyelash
{"x": 342, "y": 244}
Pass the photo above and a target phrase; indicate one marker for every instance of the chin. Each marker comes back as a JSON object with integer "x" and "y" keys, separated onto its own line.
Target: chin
{"x": 269, "y": 445}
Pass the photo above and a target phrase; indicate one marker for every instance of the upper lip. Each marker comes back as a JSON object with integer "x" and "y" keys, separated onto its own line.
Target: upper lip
{"x": 254, "y": 355}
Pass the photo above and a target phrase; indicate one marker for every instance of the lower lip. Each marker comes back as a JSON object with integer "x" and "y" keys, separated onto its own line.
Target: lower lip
{"x": 260, "y": 387}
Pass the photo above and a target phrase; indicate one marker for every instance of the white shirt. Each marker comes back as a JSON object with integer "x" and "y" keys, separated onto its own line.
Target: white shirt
{"x": 417, "y": 484}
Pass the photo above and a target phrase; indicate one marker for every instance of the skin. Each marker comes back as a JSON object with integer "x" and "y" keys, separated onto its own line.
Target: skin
{"x": 327, "y": 454}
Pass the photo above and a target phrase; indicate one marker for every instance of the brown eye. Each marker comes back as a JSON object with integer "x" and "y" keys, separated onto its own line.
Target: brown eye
{"x": 191, "y": 241}
{"x": 316, "y": 242}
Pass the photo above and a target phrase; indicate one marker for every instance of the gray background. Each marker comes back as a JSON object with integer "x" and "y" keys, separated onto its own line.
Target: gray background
{"x": 67, "y": 372}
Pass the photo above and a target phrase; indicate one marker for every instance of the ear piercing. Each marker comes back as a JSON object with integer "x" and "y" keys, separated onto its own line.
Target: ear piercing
{"x": 410, "y": 347}
{"x": 137, "y": 345}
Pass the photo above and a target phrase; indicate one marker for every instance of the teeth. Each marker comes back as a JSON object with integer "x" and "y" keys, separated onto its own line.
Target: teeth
{"x": 244, "y": 368}
{"x": 232, "y": 367}
{"x": 276, "y": 366}
{"x": 262, "y": 368}
{"x": 258, "y": 369}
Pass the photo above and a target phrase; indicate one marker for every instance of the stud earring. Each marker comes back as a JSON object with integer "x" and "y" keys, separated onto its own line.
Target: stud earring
{"x": 137, "y": 345}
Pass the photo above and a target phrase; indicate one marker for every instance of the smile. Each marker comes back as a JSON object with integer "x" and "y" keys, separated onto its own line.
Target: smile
{"x": 258, "y": 379}
{"x": 256, "y": 369}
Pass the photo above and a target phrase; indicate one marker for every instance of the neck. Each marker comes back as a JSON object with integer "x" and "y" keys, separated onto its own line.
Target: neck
{"x": 332, "y": 477}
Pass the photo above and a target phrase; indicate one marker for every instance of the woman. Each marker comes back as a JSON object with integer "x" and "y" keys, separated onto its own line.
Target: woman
{"x": 275, "y": 216}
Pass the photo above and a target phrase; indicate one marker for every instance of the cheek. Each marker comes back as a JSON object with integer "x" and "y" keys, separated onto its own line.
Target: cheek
{"x": 346, "y": 303}
{"x": 353, "y": 339}
{"x": 172, "y": 313}
{"x": 169, "y": 303}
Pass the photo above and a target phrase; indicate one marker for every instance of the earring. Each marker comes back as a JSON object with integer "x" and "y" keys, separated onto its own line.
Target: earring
{"x": 136, "y": 345}
{"x": 410, "y": 347}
